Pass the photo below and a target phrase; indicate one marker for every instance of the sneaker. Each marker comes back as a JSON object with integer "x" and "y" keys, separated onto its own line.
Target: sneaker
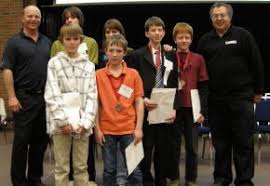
{"x": 174, "y": 182}
{"x": 92, "y": 183}
{"x": 191, "y": 183}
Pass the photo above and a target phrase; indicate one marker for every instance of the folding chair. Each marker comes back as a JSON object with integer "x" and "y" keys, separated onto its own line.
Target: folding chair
{"x": 262, "y": 115}
{"x": 204, "y": 131}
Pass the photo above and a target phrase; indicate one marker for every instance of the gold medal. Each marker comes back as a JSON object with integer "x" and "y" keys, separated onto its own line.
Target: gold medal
{"x": 118, "y": 107}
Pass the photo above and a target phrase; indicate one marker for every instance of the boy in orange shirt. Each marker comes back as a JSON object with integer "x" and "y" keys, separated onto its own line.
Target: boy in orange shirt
{"x": 121, "y": 112}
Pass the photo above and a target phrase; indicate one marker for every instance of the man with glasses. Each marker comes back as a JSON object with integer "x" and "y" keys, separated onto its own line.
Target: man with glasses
{"x": 235, "y": 82}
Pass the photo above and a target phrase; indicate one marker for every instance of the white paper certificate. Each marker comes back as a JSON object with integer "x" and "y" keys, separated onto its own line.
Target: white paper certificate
{"x": 72, "y": 105}
{"x": 134, "y": 155}
{"x": 196, "y": 104}
{"x": 165, "y": 99}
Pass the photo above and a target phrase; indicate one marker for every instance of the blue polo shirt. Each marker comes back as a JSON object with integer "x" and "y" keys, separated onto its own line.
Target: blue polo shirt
{"x": 27, "y": 60}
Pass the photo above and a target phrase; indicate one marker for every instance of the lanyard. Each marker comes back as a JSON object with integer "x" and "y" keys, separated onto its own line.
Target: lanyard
{"x": 182, "y": 66}
{"x": 116, "y": 88}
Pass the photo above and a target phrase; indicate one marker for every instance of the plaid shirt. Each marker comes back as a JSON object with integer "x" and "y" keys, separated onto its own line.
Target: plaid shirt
{"x": 67, "y": 75}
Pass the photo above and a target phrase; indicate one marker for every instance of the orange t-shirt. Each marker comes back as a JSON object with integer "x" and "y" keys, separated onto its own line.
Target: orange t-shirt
{"x": 111, "y": 120}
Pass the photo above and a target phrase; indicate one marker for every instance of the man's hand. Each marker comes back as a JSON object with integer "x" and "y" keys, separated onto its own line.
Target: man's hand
{"x": 14, "y": 104}
{"x": 257, "y": 98}
{"x": 100, "y": 139}
{"x": 138, "y": 135}
{"x": 67, "y": 129}
{"x": 171, "y": 118}
{"x": 149, "y": 104}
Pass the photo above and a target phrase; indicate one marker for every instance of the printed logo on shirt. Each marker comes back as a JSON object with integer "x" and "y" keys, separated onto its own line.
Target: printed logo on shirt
{"x": 232, "y": 42}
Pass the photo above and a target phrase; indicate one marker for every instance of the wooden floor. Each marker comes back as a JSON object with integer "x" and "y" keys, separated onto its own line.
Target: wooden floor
{"x": 261, "y": 178}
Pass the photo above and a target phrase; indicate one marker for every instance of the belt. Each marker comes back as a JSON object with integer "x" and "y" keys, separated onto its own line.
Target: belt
{"x": 40, "y": 91}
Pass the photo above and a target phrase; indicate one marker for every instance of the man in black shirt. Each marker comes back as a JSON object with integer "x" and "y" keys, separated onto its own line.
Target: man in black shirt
{"x": 25, "y": 60}
{"x": 235, "y": 82}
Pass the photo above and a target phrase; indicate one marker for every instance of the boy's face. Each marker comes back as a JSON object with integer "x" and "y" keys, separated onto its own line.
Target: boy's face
{"x": 115, "y": 54}
{"x": 155, "y": 34}
{"x": 71, "y": 44}
{"x": 183, "y": 41}
{"x": 110, "y": 32}
{"x": 71, "y": 20}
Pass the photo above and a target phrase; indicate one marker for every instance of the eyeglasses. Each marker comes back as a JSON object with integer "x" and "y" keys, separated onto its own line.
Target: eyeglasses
{"x": 221, "y": 16}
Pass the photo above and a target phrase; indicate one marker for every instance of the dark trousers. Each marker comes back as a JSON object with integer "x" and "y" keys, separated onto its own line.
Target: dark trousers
{"x": 90, "y": 161}
{"x": 30, "y": 140}
{"x": 190, "y": 130}
{"x": 157, "y": 144}
{"x": 232, "y": 126}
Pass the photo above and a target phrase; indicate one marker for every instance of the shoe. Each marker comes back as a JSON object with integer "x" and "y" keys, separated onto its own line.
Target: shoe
{"x": 92, "y": 183}
{"x": 174, "y": 182}
{"x": 191, "y": 183}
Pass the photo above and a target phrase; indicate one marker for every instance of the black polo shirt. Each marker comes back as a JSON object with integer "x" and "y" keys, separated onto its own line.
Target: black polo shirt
{"x": 27, "y": 60}
{"x": 234, "y": 63}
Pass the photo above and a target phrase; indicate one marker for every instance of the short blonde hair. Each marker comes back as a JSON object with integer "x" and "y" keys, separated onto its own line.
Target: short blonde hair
{"x": 182, "y": 27}
{"x": 71, "y": 30}
{"x": 118, "y": 40}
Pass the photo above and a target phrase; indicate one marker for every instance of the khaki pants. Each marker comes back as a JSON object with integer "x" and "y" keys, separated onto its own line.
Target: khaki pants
{"x": 62, "y": 147}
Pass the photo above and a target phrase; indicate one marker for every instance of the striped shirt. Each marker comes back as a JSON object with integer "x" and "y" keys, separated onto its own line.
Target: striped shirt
{"x": 66, "y": 75}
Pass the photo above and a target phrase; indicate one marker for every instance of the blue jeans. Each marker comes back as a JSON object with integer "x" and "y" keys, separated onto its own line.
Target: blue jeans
{"x": 115, "y": 170}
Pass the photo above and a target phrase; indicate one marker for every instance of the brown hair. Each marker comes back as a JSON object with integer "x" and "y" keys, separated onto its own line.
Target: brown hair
{"x": 75, "y": 12}
{"x": 70, "y": 31}
{"x": 118, "y": 40}
{"x": 153, "y": 21}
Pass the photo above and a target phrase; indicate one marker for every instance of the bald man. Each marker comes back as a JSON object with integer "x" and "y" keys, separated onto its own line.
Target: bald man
{"x": 25, "y": 59}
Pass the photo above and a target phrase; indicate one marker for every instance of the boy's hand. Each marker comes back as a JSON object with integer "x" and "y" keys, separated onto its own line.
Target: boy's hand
{"x": 138, "y": 135}
{"x": 100, "y": 139}
{"x": 171, "y": 118}
{"x": 149, "y": 104}
{"x": 200, "y": 119}
{"x": 81, "y": 131}
{"x": 67, "y": 129}
{"x": 257, "y": 98}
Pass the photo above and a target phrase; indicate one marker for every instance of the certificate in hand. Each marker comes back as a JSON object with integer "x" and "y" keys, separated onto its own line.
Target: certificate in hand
{"x": 165, "y": 99}
{"x": 196, "y": 104}
{"x": 72, "y": 105}
{"x": 134, "y": 155}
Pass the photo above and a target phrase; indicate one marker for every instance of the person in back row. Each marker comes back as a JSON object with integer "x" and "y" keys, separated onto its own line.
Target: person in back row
{"x": 111, "y": 27}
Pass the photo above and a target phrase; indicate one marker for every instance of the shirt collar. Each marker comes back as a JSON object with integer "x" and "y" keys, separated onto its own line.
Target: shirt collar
{"x": 124, "y": 71}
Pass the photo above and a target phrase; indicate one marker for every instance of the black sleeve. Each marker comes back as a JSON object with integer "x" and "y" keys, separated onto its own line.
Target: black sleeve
{"x": 203, "y": 93}
{"x": 255, "y": 62}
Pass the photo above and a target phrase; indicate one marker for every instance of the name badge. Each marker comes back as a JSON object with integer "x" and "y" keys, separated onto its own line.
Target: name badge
{"x": 168, "y": 64}
{"x": 232, "y": 42}
{"x": 125, "y": 91}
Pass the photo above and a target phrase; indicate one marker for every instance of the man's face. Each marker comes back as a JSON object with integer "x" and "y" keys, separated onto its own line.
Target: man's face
{"x": 71, "y": 20}
{"x": 183, "y": 41}
{"x": 221, "y": 20}
{"x": 71, "y": 44}
{"x": 155, "y": 34}
{"x": 115, "y": 54}
{"x": 31, "y": 18}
